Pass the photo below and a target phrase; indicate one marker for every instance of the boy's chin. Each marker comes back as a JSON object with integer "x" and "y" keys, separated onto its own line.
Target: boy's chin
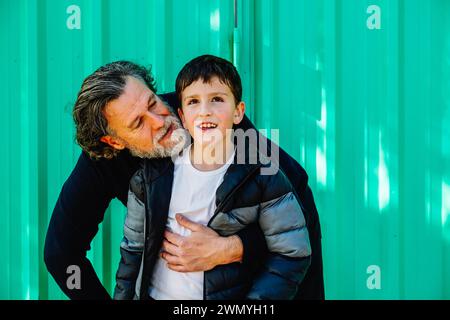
{"x": 209, "y": 135}
{"x": 212, "y": 143}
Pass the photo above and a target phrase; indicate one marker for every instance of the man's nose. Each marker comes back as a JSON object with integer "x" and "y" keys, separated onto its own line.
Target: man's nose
{"x": 158, "y": 115}
{"x": 161, "y": 108}
{"x": 156, "y": 120}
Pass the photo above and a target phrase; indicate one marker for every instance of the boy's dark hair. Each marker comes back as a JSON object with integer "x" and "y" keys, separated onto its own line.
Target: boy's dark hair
{"x": 206, "y": 67}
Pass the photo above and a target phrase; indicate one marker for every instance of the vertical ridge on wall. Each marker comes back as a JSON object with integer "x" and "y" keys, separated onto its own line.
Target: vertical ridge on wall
{"x": 4, "y": 163}
{"x": 29, "y": 150}
{"x": 336, "y": 237}
{"x": 246, "y": 68}
{"x": 41, "y": 52}
{"x": 401, "y": 158}
{"x": 445, "y": 150}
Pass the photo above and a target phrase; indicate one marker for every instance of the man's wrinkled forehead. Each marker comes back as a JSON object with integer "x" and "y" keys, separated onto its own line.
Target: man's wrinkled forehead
{"x": 135, "y": 94}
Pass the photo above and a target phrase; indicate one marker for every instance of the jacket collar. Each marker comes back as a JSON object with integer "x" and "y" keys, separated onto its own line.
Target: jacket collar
{"x": 245, "y": 163}
{"x": 247, "y": 160}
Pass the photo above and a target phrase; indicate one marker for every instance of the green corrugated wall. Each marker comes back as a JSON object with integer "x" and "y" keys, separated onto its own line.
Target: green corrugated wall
{"x": 365, "y": 110}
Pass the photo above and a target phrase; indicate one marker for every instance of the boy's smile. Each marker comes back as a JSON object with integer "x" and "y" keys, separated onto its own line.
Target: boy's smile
{"x": 204, "y": 126}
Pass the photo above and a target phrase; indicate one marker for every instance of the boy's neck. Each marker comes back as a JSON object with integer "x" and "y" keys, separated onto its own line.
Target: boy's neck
{"x": 211, "y": 157}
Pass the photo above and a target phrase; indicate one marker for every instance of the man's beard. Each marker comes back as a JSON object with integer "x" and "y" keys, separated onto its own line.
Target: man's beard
{"x": 178, "y": 141}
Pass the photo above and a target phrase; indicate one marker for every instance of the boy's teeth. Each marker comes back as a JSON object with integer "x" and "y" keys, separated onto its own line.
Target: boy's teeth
{"x": 208, "y": 125}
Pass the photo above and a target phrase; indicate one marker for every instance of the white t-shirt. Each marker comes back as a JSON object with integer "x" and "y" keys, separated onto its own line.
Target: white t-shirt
{"x": 194, "y": 196}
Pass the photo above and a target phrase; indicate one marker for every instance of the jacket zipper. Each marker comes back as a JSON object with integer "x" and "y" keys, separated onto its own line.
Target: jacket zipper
{"x": 145, "y": 234}
{"x": 221, "y": 205}
{"x": 229, "y": 195}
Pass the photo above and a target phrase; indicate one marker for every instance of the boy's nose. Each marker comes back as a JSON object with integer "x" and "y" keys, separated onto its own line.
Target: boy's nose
{"x": 205, "y": 110}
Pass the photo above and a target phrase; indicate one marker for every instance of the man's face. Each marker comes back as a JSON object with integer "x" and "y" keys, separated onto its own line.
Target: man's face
{"x": 141, "y": 122}
{"x": 209, "y": 109}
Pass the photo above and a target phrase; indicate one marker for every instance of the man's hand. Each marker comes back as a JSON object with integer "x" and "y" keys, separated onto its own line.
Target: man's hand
{"x": 201, "y": 251}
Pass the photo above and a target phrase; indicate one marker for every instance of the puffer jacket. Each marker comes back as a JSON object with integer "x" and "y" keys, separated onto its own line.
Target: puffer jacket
{"x": 245, "y": 197}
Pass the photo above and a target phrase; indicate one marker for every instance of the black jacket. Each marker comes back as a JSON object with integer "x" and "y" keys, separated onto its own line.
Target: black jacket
{"x": 91, "y": 186}
{"x": 247, "y": 195}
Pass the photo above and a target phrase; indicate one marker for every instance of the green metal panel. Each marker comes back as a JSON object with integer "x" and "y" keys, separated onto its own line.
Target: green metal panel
{"x": 364, "y": 111}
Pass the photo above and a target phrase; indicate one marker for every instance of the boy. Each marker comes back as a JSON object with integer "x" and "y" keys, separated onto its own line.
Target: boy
{"x": 209, "y": 185}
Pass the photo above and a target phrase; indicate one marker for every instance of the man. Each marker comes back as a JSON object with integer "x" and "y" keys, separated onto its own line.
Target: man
{"x": 120, "y": 119}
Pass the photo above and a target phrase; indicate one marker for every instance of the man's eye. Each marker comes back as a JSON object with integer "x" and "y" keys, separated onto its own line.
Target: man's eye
{"x": 217, "y": 99}
{"x": 151, "y": 105}
{"x": 140, "y": 124}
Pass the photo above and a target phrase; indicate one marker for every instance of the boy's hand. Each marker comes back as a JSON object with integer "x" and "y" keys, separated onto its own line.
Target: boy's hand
{"x": 201, "y": 251}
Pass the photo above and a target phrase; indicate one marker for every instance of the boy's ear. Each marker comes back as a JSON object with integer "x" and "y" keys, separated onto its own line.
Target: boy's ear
{"x": 239, "y": 113}
{"x": 181, "y": 115}
{"x": 113, "y": 142}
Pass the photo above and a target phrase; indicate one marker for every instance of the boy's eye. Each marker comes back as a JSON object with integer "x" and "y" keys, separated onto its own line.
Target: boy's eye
{"x": 192, "y": 101}
{"x": 217, "y": 99}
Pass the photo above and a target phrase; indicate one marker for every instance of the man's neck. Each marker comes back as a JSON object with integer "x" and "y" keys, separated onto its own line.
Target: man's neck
{"x": 211, "y": 157}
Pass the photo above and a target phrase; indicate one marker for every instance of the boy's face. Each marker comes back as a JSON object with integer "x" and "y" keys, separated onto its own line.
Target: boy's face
{"x": 209, "y": 111}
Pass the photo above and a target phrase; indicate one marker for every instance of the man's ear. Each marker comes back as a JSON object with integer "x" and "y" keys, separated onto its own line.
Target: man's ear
{"x": 181, "y": 115}
{"x": 239, "y": 113}
{"x": 113, "y": 142}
